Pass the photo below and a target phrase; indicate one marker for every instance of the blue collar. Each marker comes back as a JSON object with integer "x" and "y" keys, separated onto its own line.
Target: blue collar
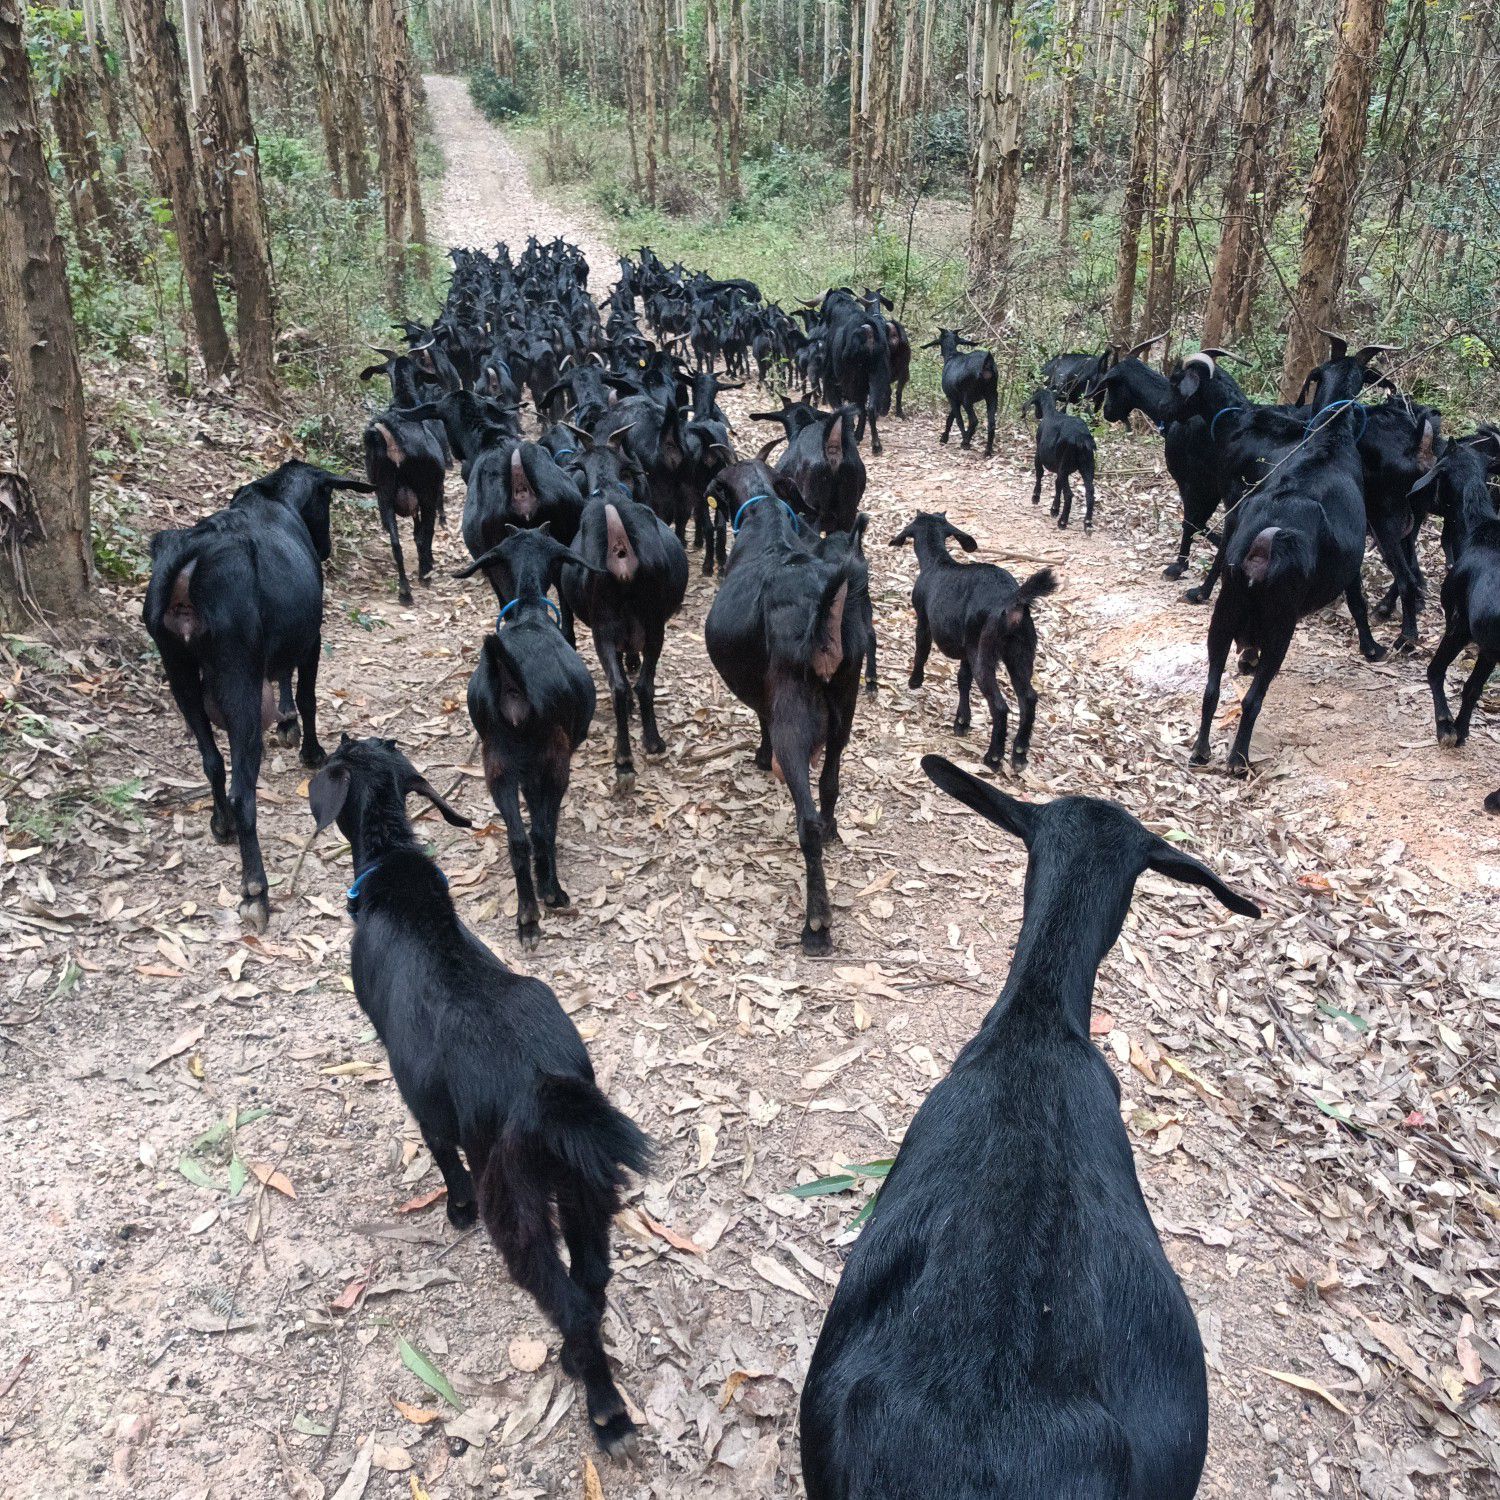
{"x": 1213, "y": 426}
{"x": 352, "y": 895}
{"x": 755, "y": 500}
{"x": 563, "y": 453}
{"x": 1338, "y": 406}
{"x": 556, "y": 612}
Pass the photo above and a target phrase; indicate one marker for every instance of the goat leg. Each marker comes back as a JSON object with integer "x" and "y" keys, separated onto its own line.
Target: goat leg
{"x": 240, "y": 700}
{"x": 422, "y": 530}
{"x": 1220, "y": 639}
{"x": 288, "y": 733}
{"x": 793, "y": 751}
{"x": 1272, "y": 654}
{"x": 1178, "y": 566}
{"x": 584, "y": 1218}
{"x": 1484, "y": 664}
{"x": 871, "y": 684}
{"x": 461, "y": 1207}
{"x": 1369, "y": 647}
{"x": 403, "y": 588}
{"x": 1087, "y": 473}
{"x": 186, "y": 682}
{"x": 645, "y": 689}
{"x": 948, "y": 425}
{"x": 961, "y": 717}
{"x": 1205, "y": 590}
{"x": 619, "y": 689}
{"x": 1036, "y": 493}
{"x": 1019, "y": 655}
{"x": 876, "y": 447}
{"x": 1455, "y": 638}
{"x": 507, "y": 797}
{"x": 989, "y": 441}
{"x": 839, "y": 727}
{"x": 544, "y": 803}
{"x": 763, "y": 760}
{"x": 313, "y": 754}
{"x": 922, "y": 651}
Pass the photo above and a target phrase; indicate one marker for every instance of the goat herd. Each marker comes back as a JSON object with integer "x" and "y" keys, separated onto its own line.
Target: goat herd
{"x": 1018, "y": 1332}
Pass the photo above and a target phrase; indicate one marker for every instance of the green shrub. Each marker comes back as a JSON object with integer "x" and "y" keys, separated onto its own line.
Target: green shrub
{"x": 498, "y": 99}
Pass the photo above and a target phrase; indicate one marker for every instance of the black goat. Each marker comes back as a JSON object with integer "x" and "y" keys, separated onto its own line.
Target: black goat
{"x": 967, "y": 379}
{"x": 628, "y": 579}
{"x": 1471, "y": 591}
{"x": 1064, "y": 446}
{"x": 1293, "y": 542}
{"x": 858, "y": 355}
{"x": 519, "y": 484}
{"x": 406, "y": 467}
{"x": 782, "y": 636}
{"x": 731, "y": 490}
{"x": 235, "y": 603}
{"x": 1008, "y": 1324}
{"x": 1070, "y": 376}
{"x": 531, "y": 701}
{"x": 487, "y": 1061}
{"x": 977, "y": 614}
{"x": 822, "y": 461}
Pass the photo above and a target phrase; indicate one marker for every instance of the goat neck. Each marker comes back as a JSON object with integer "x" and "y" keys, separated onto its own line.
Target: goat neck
{"x": 1075, "y": 905}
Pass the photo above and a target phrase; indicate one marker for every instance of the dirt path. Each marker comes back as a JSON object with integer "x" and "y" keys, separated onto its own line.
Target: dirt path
{"x": 1311, "y": 1098}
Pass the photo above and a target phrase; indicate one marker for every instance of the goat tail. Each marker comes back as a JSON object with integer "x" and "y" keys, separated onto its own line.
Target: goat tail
{"x": 987, "y": 369}
{"x": 1038, "y": 586}
{"x": 170, "y": 551}
{"x": 1007, "y": 621}
{"x": 587, "y": 1135}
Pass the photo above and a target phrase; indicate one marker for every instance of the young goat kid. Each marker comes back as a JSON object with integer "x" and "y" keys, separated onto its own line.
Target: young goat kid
{"x": 487, "y": 1061}
{"x": 967, "y": 379}
{"x": 1008, "y": 1325}
{"x": 1064, "y": 446}
{"x": 977, "y": 614}
{"x": 531, "y": 701}
{"x": 1471, "y": 591}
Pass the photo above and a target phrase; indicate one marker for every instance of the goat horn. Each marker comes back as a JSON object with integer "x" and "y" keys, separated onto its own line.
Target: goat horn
{"x": 1203, "y": 357}
{"x": 1155, "y": 338}
{"x": 1229, "y": 354}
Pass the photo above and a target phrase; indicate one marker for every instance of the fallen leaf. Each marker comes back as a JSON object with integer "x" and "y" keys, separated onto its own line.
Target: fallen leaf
{"x": 1306, "y": 1385}
{"x": 525, "y": 1417}
{"x": 592, "y": 1488}
{"x": 428, "y": 1373}
{"x": 391, "y": 1457}
{"x": 359, "y": 1474}
{"x": 269, "y": 1177}
{"x": 778, "y": 1275}
{"x": 421, "y": 1415}
{"x": 189, "y": 1038}
{"x": 820, "y": 1073}
{"x": 671, "y": 1236}
{"x": 423, "y": 1200}
{"x": 527, "y": 1355}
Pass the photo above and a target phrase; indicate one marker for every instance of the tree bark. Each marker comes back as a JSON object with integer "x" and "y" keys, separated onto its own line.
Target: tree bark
{"x": 1335, "y": 182}
{"x": 158, "y": 82}
{"x": 739, "y": 67}
{"x": 395, "y": 110}
{"x": 997, "y": 160}
{"x": 1068, "y": 114}
{"x": 1246, "y": 178}
{"x": 249, "y": 248}
{"x": 714, "y": 73}
{"x": 45, "y": 552}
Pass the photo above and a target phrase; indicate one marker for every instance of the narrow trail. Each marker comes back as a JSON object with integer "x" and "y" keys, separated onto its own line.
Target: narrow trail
{"x": 190, "y": 1340}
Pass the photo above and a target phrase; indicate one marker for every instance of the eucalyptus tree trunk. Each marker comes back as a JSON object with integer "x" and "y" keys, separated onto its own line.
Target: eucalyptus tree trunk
{"x": 1067, "y": 121}
{"x": 249, "y": 247}
{"x": 1334, "y": 186}
{"x": 1246, "y": 182}
{"x": 714, "y": 75}
{"x": 647, "y": 62}
{"x": 45, "y": 552}
{"x": 739, "y": 71}
{"x": 158, "y": 83}
{"x": 997, "y": 157}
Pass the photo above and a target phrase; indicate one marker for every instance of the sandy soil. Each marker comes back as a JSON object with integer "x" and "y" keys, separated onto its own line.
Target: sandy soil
{"x": 1312, "y": 1098}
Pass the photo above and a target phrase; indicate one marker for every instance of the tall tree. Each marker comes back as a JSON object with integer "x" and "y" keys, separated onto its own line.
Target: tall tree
{"x": 1334, "y": 185}
{"x": 1247, "y": 177}
{"x": 249, "y": 248}
{"x": 997, "y": 156}
{"x": 157, "y": 68}
{"x": 44, "y": 508}
{"x": 395, "y": 115}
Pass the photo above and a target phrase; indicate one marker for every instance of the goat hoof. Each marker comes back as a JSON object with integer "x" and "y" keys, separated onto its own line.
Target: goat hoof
{"x": 871, "y": 686}
{"x": 994, "y": 761}
{"x": 1198, "y": 758}
{"x": 529, "y": 934}
{"x": 616, "y": 1434}
{"x": 1174, "y": 570}
{"x": 288, "y": 733}
{"x": 404, "y": 597}
{"x": 1373, "y": 653}
{"x": 222, "y": 827}
{"x": 255, "y": 912}
{"x": 1249, "y": 660}
{"x": 558, "y": 898}
{"x": 1062, "y": 523}
{"x": 655, "y": 746}
{"x": 831, "y": 831}
{"x": 1447, "y": 734}
{"x": 1404, "y": 645}
{"x": 1088, "y": 528}
{"x": 762, "y": 760}
{"x": 914, "y": 681}
{"x": 1195, "y": 596}
{"x": 1383, "y": 611}
{"x": 961, "y": 726}
{"x": 625, "y": 779}
{"x": 463, "y": 1215}
{"x": 1019, "y": 760}
{"x": 1492, "y": 803}
{"x": 816, "y": 941}
{"x": 1239, "y": 767}
{"x": 314, "y": 756}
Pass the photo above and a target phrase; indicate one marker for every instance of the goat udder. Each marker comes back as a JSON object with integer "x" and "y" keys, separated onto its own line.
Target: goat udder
{"x": 268, "y": 708}
{"x": 405, "y": 501}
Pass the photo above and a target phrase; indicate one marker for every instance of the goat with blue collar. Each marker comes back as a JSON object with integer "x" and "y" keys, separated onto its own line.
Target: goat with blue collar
{"x": 732, "y": 490}
{"x": 488, "y": 1063}
{"x": 531, "y": 700}
{"x": 625, "y": 578}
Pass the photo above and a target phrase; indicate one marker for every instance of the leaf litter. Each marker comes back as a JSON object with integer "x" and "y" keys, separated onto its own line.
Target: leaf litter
{"x": 1313, "y": 1098}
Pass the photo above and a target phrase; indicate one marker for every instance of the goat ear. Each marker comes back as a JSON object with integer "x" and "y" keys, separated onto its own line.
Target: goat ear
{"x": 1168, "y": 860}
{"x": 901, "y": 538}
{"x": 424, "y": 788}
{"x": 484, "y": 560}
{"x": 327, "y": 794}
{"x": 963, "y": 539}
{"x": 1013, "y": 815}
